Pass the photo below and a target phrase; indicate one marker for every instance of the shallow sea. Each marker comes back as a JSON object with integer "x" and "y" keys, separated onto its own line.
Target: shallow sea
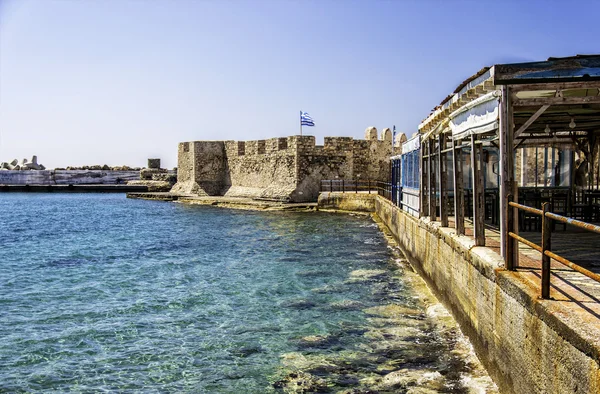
{"x": 99, "y": 293}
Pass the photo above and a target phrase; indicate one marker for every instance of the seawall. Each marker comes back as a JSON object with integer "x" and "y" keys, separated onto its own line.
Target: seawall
{"x": 360, "y": 202}
{"x": 527, "y": 344}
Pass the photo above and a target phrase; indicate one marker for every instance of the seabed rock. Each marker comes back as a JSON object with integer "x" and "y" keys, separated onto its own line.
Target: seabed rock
{"x": 404, "y": 378}
{"x": 330, "y": 288}
{"x": 301, "y": 382}
{"x": 365, "y": 275}
{"x": 346, "y": 304}
{"x": 392, "y": 311}
{"x": 317, "y": 341}
{"x": 299, "y": 304}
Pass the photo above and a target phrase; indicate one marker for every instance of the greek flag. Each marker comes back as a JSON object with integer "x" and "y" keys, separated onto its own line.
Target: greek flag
{"x": 306, "y": 120}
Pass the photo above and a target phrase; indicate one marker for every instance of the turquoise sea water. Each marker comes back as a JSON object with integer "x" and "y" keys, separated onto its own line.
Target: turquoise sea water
{"x": 101, "y": 293}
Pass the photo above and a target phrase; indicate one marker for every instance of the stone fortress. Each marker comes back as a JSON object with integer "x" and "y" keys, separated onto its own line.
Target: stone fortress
{"x": 281, "y": 169}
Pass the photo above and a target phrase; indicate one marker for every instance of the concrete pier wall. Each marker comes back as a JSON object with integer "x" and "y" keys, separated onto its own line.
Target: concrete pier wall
{"x": 361, "y": 202}
{"x": 527, "y": 344}
{"x": 66, "y": 177}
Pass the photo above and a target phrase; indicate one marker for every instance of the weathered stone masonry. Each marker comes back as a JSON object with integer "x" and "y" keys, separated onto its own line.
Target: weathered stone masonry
{"x": 285, "y": 169}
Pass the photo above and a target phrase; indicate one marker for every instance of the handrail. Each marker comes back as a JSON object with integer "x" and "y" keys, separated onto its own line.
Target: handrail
{"x": 384, "y": 189}
{"x": 547, "y": 218}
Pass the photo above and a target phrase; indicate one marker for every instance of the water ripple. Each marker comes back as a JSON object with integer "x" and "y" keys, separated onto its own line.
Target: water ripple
{"x": 103, "y": 294}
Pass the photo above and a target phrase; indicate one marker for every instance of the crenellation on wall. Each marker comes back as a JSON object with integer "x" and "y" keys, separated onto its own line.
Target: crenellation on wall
{"x": 289, "y": 169}
{"x": 274, "y": 145}
{"x": 303, "y": 143}
{"x": 251, "y": 148}
{"x": 231, "y": 148}
{"x": 260, "y": 147}
{"x": 371, "y": 133}
{"x": 386, "y": 135}
{"x": 343, "y": 144}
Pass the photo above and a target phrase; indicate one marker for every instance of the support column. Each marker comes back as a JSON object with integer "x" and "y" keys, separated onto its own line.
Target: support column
{"x": 478, "y": 192}
{"x": 443, "y": 173}
{"x": 424, "y": 203}
{"x": 459, "y": 190}
{"x": 507, "y": 169}
{"x": 432, "y": 182}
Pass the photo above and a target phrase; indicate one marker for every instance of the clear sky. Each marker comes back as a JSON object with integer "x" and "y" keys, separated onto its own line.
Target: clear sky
{"x": 114, "y": 82}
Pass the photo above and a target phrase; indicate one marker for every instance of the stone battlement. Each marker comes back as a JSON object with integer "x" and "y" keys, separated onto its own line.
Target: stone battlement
{"x": 288, "y": 168}
{"x": 292, "y": 145}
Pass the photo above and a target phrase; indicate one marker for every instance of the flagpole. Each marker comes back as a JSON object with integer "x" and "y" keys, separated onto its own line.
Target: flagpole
{"x": 393, "y": 138}
{"x": 300, "y": 123}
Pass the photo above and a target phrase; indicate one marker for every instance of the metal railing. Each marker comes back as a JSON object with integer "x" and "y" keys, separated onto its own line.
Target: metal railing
{"x": 545, "y": 248}
{"x": 384, "y": 189}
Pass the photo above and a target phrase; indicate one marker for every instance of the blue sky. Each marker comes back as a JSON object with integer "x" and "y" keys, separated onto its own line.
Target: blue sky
{"x": 118, "y": 81}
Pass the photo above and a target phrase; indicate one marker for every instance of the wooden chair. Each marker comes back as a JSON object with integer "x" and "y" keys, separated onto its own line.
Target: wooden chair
{"x": 530, "y": 221}
{"x": 560, "y": 206}
{"x": 581, "y": 208}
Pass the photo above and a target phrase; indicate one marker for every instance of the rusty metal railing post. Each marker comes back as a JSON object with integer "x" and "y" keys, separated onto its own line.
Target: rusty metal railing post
{"x": 546, "y": 242}
{"x": 369, "y": 186}
{"x": 343, "y": 186}
{"x": 331, "y": 185}
{"x": 510, "y": 241}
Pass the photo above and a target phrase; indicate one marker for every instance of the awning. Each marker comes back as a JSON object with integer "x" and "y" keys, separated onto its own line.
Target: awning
{"x": 412, "y": 144}
{"x": 476, "y": 117}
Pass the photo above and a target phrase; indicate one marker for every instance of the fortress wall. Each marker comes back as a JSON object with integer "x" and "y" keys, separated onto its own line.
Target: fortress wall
{"x": 210, "y": 166}
{"x": 266, "y": 169}
{"x": 316, "y": 165}
{"x": 360, "y": 150}
{"x": 186, "y": 179}
{"x": 378, "y": 160}
{"x": 341, "y": 158}
{"x": 185, "y": 160}
{"x": 201, "y": 168}
{"x": 278, "y": 168}
{"x": 339, "y": 144}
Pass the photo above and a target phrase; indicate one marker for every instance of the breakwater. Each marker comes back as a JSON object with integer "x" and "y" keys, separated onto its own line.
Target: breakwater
{"x": 66, "y": 177}
{"x": 96, "y": 188}
{"x": 527, "y": 344}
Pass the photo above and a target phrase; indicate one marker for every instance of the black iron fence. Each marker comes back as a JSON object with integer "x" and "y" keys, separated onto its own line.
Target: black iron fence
{"x": 384, "y": 189}
{"x": 547, "y": 219}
